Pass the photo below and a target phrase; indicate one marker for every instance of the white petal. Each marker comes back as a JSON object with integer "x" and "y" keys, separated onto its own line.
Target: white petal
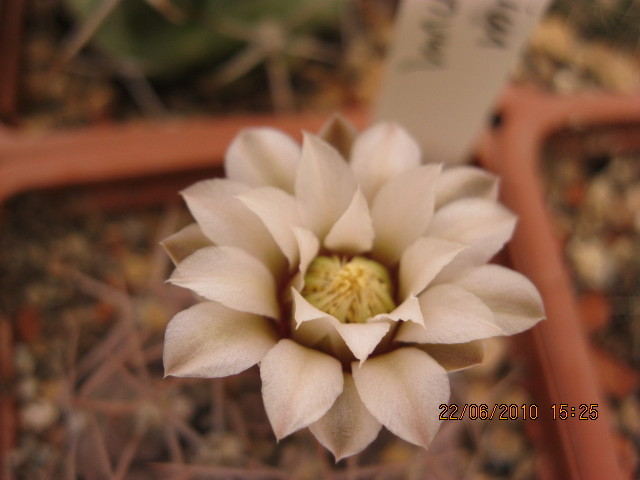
{"x": 308, "y": 247}
{"x": 312, "y": 333}
{"x": 455, "y": 183}
{"x": 314, "y": 326}
{"x": 473, "y": 220}
{"x": 348, "y": 427}
{"x": 299, "y": 385}
{"x": 263, "y": 156}
{"x": 451, "y": 315}
{"x": 422, "y": 261}
{"x": 408, "y": 311}
{"x": 514, "y": 300}
{"x": 380, "y": 153}
{"x": 455, "y": 356}
{"x": 403, "y": 390}
{"x": 230, "y": 276}
{"x": 361, "y": 338}
{"x": 227, "y": 221}
{"x": 210, "y": 340}
{"x": 324, "y": 185}
{"x": 339, "y": 133}
{"x": 184, "y": 242}
{"x": 353, "y": 232}
{"x": 303, "y": 311}
{"x": 321, "y": 334}
{"x": 483, "y": 225}
{"x": 402, "y": 210}
{"x": 277, "y": 210}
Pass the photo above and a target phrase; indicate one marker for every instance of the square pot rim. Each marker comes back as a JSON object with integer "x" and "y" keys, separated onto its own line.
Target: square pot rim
{"x": 513, "y": 151}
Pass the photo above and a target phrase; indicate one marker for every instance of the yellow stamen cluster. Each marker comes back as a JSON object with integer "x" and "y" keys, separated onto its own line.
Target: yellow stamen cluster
{"x": 351, "y": 290}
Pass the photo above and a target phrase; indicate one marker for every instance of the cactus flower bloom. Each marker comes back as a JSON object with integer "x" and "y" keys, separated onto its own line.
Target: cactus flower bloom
{"x": 354, "y": 274}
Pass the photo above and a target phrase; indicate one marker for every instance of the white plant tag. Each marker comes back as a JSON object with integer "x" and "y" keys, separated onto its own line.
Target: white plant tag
{"x": 447, "y": 63}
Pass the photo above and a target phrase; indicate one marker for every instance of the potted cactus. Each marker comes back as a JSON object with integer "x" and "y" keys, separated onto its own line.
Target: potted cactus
{"x": 121, "y": 152}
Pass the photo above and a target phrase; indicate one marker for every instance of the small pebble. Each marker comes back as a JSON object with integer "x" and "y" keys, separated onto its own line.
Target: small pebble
{"x": 222, "y": 448}
{"x": 182, "y": 405}
{"x": 39, "y": 415}
{"x": 504, "y": 448}
{"x": 590, "y": 258}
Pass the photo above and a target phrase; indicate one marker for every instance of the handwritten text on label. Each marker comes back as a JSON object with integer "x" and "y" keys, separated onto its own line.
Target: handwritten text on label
{"x": 435, "y": 29}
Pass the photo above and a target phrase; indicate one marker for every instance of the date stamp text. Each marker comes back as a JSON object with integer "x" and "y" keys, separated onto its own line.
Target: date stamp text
{"x": 514, "y": 411}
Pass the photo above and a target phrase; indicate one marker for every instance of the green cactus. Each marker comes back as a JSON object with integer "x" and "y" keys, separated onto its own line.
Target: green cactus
{"x": 136, "y": 32}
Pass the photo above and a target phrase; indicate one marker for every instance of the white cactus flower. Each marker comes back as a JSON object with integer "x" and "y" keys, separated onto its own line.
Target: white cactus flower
{"x": 351, "y": 272}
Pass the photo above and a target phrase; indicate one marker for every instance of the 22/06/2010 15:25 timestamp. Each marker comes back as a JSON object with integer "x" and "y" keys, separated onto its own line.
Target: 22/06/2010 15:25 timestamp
{"x": 504, "y": 411}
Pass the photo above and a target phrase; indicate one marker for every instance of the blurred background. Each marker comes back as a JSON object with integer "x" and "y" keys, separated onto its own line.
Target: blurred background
{"x": 83, "y": 303}
{"x": 95, "y": 60}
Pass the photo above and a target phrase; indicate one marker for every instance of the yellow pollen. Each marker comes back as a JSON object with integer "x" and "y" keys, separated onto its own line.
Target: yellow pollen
{"x": 351, "y": 290}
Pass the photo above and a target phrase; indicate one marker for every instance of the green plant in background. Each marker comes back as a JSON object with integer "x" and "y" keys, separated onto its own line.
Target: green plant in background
{"x": 165, "y": 39}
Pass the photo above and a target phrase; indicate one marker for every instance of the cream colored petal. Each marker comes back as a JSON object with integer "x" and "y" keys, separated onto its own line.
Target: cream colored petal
{"x": 303, "y": 311}
{"x": 278, "y": 211}
{"x": 514, "y": 300}
{"x": 227, "y": 221}
{"x": 455, "y": 183}
{"x": 402, "y": 211}
{"x": 380, "y": 153}
{"x": 472, "y": 221}
{"x": 339, "y": 133}
{"x": 299, "y": 385}
{"x": 483, "y": 225}
{"x": 210, "y": 340}
{"x": 403, "y": 390}
{"x": 308, "y": 247}
{"x": 353, "y": 232}
{"x": 311, "y": 333}
{"x": 184, "y": 242}
{"x": 263, "y": 156}
{"x": 324, "y": 185}
{"x": 320, "y": 334}
{"x": 230, "y": 276}
{"x": 422, "y": 261}
{"x": 455, "y": 356}
{"x": 408, "y": 311}
{"x": 313, "y": 326}
{"x": 361, "y": 338}
{"x": 348, "y": 427}
{"x": 451, "y": 315}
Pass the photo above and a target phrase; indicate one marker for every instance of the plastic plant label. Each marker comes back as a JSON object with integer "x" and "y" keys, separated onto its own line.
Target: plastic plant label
{"x": 448, "y": 61}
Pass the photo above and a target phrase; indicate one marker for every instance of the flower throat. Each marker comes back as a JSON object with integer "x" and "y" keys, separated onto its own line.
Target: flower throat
{"x": 352, "y": 290}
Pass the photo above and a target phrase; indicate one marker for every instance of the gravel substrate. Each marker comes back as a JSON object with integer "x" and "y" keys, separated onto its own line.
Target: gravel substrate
{"x": 90, "y": 307}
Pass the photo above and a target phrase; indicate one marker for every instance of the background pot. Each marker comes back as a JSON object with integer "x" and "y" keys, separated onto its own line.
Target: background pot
{"x": 566, "y": 368}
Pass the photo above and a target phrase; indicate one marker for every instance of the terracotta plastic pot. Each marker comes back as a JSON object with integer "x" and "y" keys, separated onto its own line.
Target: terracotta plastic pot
{"x": 110, "y": 152}
{"x": 564, "y": 370}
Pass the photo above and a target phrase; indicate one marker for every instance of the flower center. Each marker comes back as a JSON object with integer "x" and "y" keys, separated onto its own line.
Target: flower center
{"x": 351, "y": 290}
